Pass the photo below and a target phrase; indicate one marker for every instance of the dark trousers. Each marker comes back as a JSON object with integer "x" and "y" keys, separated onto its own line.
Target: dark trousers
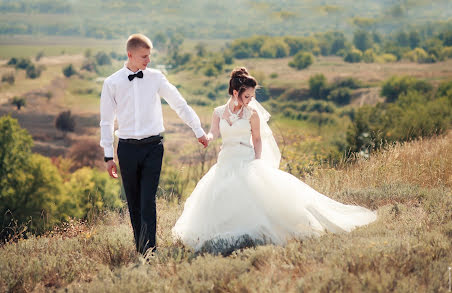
{"x": 140, "y": 165}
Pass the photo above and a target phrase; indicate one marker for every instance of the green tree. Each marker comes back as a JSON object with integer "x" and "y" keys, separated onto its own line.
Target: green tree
{"x": 445, "y": 89}
{"x": 69, "y": 70}
{"x": 30, "y": 186}
{"x": 414, "y": 39}
{"x": 91, "y": 191}
{"x": 301, "y": 60}
{"x": 201, "y": 50}
{"x": 19, "y": 102}
{"x": 369, "y": 56}
{"x": 65, "y": 122}
{"x": 274, "y": 48}
{"x": 159, "y": 41}
{"x": 340, "y": 96}
{"x": 396, "y": 85}
{"x": 318, "y": 86}
{"x": 102, "y": 58}
{"x": 362, "y": 40}
{"x": 9, "y": 78}
{"x": 33, "y": 71}
{"x": 23, "y": 63}
{"x": 353, "y": 56}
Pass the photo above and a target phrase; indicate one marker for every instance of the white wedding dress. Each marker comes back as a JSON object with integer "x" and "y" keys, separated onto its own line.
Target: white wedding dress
{"x": 244, "y": 199}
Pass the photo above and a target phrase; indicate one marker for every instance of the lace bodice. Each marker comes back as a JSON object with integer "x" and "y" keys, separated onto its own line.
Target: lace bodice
{"x": 238, "y": 131}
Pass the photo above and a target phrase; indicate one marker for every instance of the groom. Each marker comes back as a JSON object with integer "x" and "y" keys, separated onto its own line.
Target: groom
{"x": 132, "y": 96}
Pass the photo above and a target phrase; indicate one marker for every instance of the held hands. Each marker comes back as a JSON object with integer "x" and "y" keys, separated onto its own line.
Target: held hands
{"x": 203, "y": 140}
{"x": 111, "y": 168}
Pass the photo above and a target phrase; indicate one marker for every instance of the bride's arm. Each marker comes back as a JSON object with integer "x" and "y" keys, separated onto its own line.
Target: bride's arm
{"x": 214, "y": 127}
{"x": 256, "y": 134}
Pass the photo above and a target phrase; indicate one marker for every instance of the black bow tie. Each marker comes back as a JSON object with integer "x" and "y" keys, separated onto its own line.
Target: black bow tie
{"x": 139, "y": 74}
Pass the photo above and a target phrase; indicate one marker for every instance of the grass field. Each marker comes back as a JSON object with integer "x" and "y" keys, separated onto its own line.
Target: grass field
{"x": 408, "y": 248}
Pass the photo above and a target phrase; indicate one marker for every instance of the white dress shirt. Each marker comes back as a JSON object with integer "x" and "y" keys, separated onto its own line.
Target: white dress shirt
{"x": 137, "y": 107}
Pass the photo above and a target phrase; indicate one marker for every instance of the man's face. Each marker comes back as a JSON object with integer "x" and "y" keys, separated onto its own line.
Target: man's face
{"x": 139, "y": 57}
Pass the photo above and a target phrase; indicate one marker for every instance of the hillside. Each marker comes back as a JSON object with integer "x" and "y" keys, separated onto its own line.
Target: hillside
{"x": 201, "y": 19}
{"x": 408, "y": 249}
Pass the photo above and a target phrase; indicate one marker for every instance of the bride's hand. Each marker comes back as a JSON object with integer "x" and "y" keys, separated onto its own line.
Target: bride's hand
{"x": 209, "y": 136}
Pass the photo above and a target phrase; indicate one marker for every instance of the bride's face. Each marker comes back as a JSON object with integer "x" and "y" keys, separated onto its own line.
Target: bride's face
{"x": 246, "y": 96}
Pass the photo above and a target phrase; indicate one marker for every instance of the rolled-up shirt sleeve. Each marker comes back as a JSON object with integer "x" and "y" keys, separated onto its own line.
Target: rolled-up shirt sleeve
{"x": 170, "y": 93}
{"x": 107, "y": 119}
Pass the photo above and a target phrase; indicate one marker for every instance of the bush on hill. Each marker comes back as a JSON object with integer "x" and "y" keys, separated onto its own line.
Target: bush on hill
{"x": 396, "y": 85}
{"x": 301, "y": 60}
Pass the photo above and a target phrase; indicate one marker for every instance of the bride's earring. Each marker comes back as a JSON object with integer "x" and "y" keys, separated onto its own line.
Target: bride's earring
{"x": 236, "y": 102}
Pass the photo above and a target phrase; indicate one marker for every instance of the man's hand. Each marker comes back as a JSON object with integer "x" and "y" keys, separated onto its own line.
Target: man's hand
{"x": 203, "y": 140}
{"x": 111, "y": 168}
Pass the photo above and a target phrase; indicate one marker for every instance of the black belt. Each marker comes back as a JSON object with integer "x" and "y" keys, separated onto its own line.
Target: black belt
{"x": 155, "y": 139}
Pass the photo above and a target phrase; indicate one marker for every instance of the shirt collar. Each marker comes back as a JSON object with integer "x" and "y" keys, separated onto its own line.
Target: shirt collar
{"x": 128, "y": 71}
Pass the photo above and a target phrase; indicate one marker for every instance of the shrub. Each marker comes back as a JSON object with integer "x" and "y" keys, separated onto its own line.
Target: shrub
{"x": 39, "y": 55}
{"x": 8, "y": 77}
{"x": 411, "y": 116}
{"x": 89, "y": 65}
{"x": 353, "y": 56}
{"x": 210, "y": 71}
{"x": 102, "y": 58}
{"x": 445, "y": 89}
{"x": 65, "y": 122}
{"x": 420, "y": 56}
{"x": 23, "y": 63}
{"x": 92, "y": 191}
{"x": 87, "y": 153}
{"x": 297, "y": 44}
{"x": 362, "y": 40}
{"x": 69, "y": 70}
{"x": 228, "y": 57}
{"x": 369, "y": 56}
{"x": 211, "y": 96}
{"x": 348, "y": 82}
{"x": 340, "y": 96}
{"x": 317, "y": 86}
{"x": 396, "y": 85}
{"x": 301, "y": 60}
{"x": 12, "y": 61}
{"x": 33, "y": 72}
{"x": 274, "y": 49}
{"x": 386, "y": 58}
{"x": 273, "y": 75}
{"x": 18, "y": 102}
{"x": 218, "y": 63}
{"x": 446, "y": 53}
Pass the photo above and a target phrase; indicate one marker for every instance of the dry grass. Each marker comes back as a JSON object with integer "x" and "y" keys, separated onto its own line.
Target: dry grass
{"x": 335, "y": 67}
{"x": 424, "y": 163}
{"x": 408, "y": 249}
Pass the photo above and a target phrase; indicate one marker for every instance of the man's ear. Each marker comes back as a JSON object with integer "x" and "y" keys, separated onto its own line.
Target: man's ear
{"x": 129, "y": 54}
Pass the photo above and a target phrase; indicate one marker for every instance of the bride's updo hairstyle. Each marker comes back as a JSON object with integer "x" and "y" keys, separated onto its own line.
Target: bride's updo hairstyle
{"x": 241, "y": 80}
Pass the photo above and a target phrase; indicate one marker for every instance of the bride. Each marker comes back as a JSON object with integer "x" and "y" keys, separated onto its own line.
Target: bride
{"x": 244, "y": 199}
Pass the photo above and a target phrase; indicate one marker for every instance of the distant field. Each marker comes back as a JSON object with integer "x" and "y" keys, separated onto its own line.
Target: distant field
{"x": 301, "y": 142}
{"x": 29, "y": 46}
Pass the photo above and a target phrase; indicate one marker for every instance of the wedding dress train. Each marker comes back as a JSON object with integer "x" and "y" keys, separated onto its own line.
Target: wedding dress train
{"x": 244, "y": 199}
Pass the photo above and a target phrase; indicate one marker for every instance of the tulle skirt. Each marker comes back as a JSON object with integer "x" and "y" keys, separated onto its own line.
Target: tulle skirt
{"x": 242, "y": 199}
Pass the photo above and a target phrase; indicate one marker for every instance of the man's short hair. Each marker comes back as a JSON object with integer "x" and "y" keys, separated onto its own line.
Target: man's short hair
{"x": 138, "y": 41}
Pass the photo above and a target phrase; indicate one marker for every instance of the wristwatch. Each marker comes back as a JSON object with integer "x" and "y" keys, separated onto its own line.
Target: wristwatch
{"x": 106, "y": 159}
